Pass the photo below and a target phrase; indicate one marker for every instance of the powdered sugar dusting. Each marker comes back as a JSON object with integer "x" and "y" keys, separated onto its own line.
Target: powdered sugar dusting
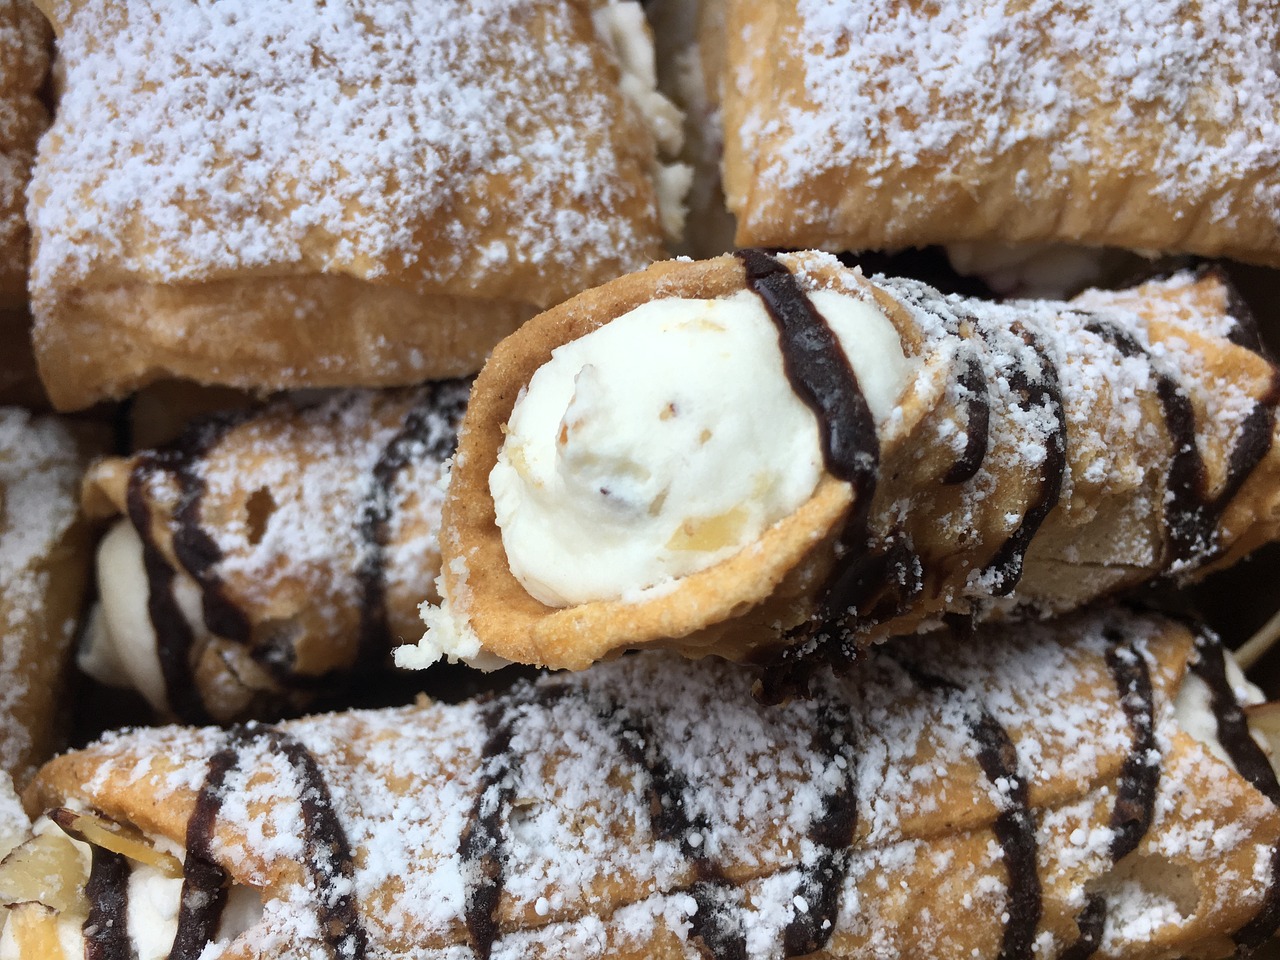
{"x": 1172, "y": 100}
{"x": 24, "y": 62}
{"x": 585, "y": 862}
{"x": 201, "y": 140}
{"x": 39, "y": 477}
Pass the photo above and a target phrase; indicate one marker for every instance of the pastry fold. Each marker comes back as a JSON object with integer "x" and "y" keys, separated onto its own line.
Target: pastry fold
{"x": 45, "y": 556}
{"x": 852, "y": 125}
{"x": 1032, "y": 793}
{"x": 368, "y": 194}
{"x": 266, "y": 557}
{"x": 1042, "y": 454}
{"x": 25, "y": 45}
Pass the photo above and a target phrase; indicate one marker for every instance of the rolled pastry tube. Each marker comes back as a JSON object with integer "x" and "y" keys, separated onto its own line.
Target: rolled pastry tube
{"x": 267, "y": 557}
{"x": 856, "y": 137}
{"x": 394, "y": 187}
{"x": 1047, "y": 790}
{"x": 883, "y": 456}
{"x": 45, "y": 559}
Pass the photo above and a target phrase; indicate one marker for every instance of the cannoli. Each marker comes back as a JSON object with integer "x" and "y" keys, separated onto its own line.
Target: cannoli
{"x": 45, "y": 553}
{"x": 874, "y": 125}
{"x": 265, "y": 558}
{"x": 757, "y": 454}
{"x": 1056, "y": 790}
{"x": 361, "y": 194}
{"x": 25, "y": 44}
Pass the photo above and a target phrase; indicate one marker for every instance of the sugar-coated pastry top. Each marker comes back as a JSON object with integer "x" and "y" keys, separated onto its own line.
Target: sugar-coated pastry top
{"x": 40, "y": 469}
{"x": 667, "y": 440}
{"x": 649, "y": 804}
{"x": 1118, "y": 122}
{"x": 24, "y": 63}
{"x": 439, "y": 144}
{"x": 290, "y": 543}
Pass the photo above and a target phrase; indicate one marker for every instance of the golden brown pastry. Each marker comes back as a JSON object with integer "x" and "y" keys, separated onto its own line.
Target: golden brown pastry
{"x": 873, "y": 125}
{"x": 319, "y": 195}
{"x": 265, "y": 558}
{"x": 24, "y": 66}
{"x": 45, "y": 553}
{"x": 1051, "y": 791}
{"x": 757, "y": 453}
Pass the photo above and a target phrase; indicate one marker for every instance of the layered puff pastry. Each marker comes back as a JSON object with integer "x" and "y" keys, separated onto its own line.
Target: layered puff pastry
{"x": 301, "y": 193}
{"x": 779, "y": 459}
{"x": 1090, "y": 787}
{"x": 45, "y": 555}
{"x": 872, "y": 125}
{"x": 266, "y": 558}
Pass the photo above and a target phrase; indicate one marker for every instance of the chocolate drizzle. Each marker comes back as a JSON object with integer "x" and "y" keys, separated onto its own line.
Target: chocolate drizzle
{"x": 106, "y": 934}
{"x": 1015, "y": 824}
{"x": 977, "y": 412}
{"x": 1209, "y": 664}
{"x": 832, "y": 831}
{"x": 1006, "y": 566}
{"x": 820, "y": 375}
{"x": 204, "y": 883}
{"x": 327, "y": 856}
{"x": 423, "y": 435}
{"x": 482, "y": 847}
{"x": 1134, "y": 810}
{"x": 717, "y": 923}
{"x": 1091, "y": 922}
{"x": 195, "y": 550}
{"x": 429, "y": 430}
{"x": 1191, "y": 511}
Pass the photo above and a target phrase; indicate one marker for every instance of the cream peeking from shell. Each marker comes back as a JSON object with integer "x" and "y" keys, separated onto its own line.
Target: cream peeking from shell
{"x": 660, "y": 444}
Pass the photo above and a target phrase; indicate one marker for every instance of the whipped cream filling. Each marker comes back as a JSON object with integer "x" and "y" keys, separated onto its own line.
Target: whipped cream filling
{"x": 120, "y": 646}
{"x": 625, "y": 31}
{"x": 668, "y": 440}
{"x": 153, "y": 900}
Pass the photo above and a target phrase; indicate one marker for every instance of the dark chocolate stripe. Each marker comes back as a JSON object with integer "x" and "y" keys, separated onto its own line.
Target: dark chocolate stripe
{"x": 482, "y": 846}
{"x": 1191, "y": 512}
{"x": 1015, "y": 824}
{"x": 1042, "y": 391}
{"x": 977, "y": 412}
{"x": 1250, "y": 762}
{"x": 327, "y": 856}
{"x": 717, "y": 923}
{"x": 195, "y": 550}
{"x": 428, "y": 432}
{"x": 820, "y": 375}
{"x": 174, "y": 636}
{"x": 1091, "y": 922}
{"x": 1134, "y": 809}
{"x": 204, "y": 883}
{"x": 822, "y": 881}
{"x": 106, "y": 930}
{"x": 1232, "y": 727}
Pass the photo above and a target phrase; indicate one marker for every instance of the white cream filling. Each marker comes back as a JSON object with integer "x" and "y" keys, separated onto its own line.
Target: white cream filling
{"x": 120, "y": 646}
{"x": 667, "y": 440}
{"x": 153, "y": 902}
{"x": 1053, "y": 271}
{"x": 624, "y": 29}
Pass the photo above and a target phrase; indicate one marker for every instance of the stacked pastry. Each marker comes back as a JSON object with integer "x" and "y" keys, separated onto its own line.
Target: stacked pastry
{"x": 866, "y": 512}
